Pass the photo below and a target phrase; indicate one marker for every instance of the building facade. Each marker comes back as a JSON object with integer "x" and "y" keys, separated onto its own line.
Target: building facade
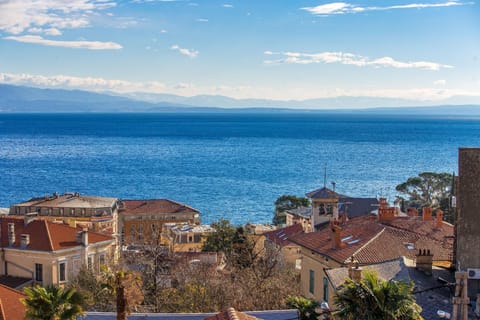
{"x": 50, "y": 253}
{"x": 141, "y": 221}
{"x": 468, "y": 218}
{"x": 96, "y": 213}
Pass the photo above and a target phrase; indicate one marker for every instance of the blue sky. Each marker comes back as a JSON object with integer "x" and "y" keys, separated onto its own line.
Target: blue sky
{"x": 282, "y": 49}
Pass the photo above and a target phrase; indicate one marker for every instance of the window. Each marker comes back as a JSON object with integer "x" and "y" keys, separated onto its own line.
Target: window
{"x": 140, "y": 232}
{"x": 77, "y": 264}
{"x": 90, "y": 262}
{"x": 325, "y": 289}
{"x": 38, "y": 272}
{"x": 101, "y": 260}
{"x": 62, "y": 271}
{"x": 311, "y": 287}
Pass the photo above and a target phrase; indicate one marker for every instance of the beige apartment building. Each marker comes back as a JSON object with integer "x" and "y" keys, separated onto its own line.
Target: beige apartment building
{"x": 50, "y": 253}
{"x": 95, "y": 213}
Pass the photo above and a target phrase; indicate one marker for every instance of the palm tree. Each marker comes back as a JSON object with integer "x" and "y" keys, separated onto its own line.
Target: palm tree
{"x": 373, "y": 298}
{"x": 52, "y": 303}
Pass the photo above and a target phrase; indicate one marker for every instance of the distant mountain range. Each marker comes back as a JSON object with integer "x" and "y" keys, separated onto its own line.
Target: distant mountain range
{"x": 21, "y": 99}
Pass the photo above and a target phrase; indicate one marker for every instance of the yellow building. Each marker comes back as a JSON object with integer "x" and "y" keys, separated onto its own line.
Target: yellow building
{"x": 185, "y": 237}
{"x": 140, "y": 219}
{"x": 50, "y": 253}
{"x": 370, "y": 239}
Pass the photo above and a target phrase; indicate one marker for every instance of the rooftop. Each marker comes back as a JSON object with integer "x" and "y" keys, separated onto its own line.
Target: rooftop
{"x": 281, "y": 237}
{"x": 45, "y": 235}
{"x": 372, "y": 241}
{"x": 291, "y": 314}
{"x": 11, "y": 307}
{"x": 154, "y": 206}
{"x": 69, "y": 200}
{"x": 388, "y": 270}
{"x": 188, "y": 228}
{"x": 324, "y": 193}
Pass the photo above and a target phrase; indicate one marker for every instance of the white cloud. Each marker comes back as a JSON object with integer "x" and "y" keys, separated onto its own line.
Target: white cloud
{"x": 163, "y": 31}
{"x": 440, "y": 82}
{"x": 227, "y": 5}
{"x": 202, "y": 20}
{"x": 187, "y": 52}
{"x": 88, "y": 83}
{"x": 350, "y": 59}
{"x": 344, "y": 8}
{"x": 239, "y": 92}
{"x": 48, "y": 15}
{"x": 91, "y": 45}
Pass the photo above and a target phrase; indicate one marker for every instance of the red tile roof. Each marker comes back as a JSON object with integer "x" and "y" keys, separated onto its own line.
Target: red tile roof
{"x": 11, "y": 306}
{"x": 373, "y": 242}
{"x": 281, "y": 237}
{"x": 45, "y": 235}
{"x": 154, "y": 206}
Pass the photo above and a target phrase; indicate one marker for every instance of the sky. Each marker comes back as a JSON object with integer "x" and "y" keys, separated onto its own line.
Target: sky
{"x": 262, "y": 49}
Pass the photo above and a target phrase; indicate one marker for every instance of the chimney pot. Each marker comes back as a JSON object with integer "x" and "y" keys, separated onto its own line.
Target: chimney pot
{"x": 439, "y": 219}
{"x": 11, "y": 233}
{"x": 427, "y": 214}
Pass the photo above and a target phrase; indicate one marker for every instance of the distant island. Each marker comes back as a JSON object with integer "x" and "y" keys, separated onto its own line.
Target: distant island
{"x": 23, "y": 99}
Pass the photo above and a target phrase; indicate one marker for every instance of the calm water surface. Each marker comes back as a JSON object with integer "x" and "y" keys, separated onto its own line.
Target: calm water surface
{"x": 226, "y": 165}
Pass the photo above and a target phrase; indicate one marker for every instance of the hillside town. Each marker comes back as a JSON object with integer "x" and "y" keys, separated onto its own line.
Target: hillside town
{"x": 153, "y": 258}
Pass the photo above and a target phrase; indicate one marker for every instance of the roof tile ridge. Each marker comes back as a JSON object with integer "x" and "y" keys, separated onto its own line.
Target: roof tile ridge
{"x": 50, "y": 242}
{"x": 366, "y": 244}
{"x": 2, "y": 311}
{"x": 12, "y": 289}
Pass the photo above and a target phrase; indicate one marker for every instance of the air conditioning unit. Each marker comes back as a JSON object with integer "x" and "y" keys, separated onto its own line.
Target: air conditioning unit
{"x": 473, "y": 273}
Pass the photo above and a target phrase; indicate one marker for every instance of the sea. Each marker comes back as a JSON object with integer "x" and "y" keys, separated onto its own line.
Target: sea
{"x": 226, "y": 165}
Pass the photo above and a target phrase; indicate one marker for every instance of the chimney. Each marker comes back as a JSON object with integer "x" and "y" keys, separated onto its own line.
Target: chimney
{"x": 82, "y": 237}
{"x": 439, "y": 219}
{"x": 412, "y": 212}
{"x": 383, "y": 202}
{"x": 386, "y": 214}
{"x": 354, "y": 271}
{"x": 427, "y": 214}
{"x": 336, "y": 234}
{"x": 424, "y": 261}
{"x": 11, "y": 233}
{"x": 24, "y": 240}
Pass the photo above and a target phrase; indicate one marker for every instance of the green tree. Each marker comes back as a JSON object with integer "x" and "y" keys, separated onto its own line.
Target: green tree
{"x": 305, "y": 306}
{"x": 428, "y": 189}
{"x": 222, "y": 239}
{"x": 287, "y": 202}
{"x": 376, "y": 299}
{"x": 52, "y": 303}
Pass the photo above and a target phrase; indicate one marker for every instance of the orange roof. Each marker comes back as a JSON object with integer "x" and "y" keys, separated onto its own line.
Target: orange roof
{"x": 11, "y": 306}
{"x": 372, "y": 242}
{"x": 154, "y": 206}
{"x": 281, "y": 237}
{"x": 45, "y": 235}
{"x": 231, "y": 314}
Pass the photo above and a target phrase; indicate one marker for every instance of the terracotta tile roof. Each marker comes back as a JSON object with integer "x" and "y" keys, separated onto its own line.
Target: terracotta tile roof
{"x": 373, "y": 242}
{"x": 281, "y": 237}
{"x": 11, "y": 306}
{"x": 231, "y": 314}
{"x": 131, "y": 207}
{"x": 324, "y": 193}
{"x": 45, "y": 235}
